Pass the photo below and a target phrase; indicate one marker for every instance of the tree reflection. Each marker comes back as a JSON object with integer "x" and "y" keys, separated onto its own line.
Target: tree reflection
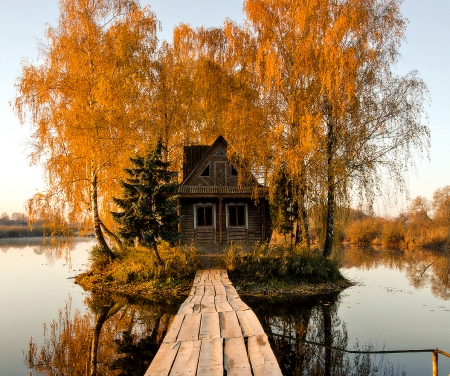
{"x": 52, "y": 248}
{"x": 296, "y": 327}
{"x": 422, "y": 266}
{"x": 113, "y": 337}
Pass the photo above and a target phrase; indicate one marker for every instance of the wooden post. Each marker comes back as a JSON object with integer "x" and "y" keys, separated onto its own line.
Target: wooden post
{"x": 434, "y": 360}
{"x": 179, "y": 222}
{"x": 220, "y": 219}
{"x": 263, "y": 222}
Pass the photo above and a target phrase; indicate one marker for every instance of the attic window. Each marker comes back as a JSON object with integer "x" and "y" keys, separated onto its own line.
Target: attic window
{"x": 220, "y": 153}
{"x": 233, "y": 171}
{"x": 205, "y": 171}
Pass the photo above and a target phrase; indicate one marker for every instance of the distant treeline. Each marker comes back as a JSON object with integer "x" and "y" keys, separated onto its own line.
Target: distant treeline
{"x": 16, "y": 219}
{"x": 21, "y": 231}
{"x": 425, "y": 224}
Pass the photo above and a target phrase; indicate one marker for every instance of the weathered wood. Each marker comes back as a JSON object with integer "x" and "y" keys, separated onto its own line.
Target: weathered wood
{"x": 207, "y": 335}
{"x": 174, "y": 329}
{"x": 163, "y": 360}
{"x": 238, "y": 304}
{"x": 190, "y": 329}
{"x": 186, "y": 360}
{"x": 209, "y": 326}
{"x": 244, "y": 322}
{"x": 254, "y": 322}
{"x": 187, "y": 306}
{"x": 209, "y": 289}
{"x": 222, "y": 304}
{"x": 229, "y": 325}
{"x": 211, "y": 358}
{"x": 208, "y": 304}
{"x": 235, "y": 359}
{"x": 262, "y": 358}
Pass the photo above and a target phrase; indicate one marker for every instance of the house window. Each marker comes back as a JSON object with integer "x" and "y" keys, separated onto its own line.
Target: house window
{"x": 204, "y": 215}
{"x": 205, "y": 171}
{"x": 233, "y": 171}
{"x": 237, "y": 215}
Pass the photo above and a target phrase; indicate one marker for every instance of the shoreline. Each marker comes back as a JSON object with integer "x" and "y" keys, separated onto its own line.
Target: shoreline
{"x": 180, "y": 289}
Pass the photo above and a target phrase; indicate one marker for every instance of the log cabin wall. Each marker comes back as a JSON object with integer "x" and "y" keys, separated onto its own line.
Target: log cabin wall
{"x": 214, "y": 208}
{"x": 222, "y": 230}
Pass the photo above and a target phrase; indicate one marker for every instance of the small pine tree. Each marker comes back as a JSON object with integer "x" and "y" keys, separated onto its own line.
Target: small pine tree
{"x": 149, "y": 210}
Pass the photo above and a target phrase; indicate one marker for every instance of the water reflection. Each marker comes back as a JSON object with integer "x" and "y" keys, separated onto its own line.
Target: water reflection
{"x": 422, "y": 267}
{"x": 298, "y": 328}
{"x": 115, "y": 336}
{"x": 52, "y": 248}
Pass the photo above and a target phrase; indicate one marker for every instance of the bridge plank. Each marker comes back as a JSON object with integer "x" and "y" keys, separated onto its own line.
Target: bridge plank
{"x": 238, "y": 304}
{"x": 190, "y": 329}
{"x": 211, "y": 358}
{"x": 262, "y": 358}
{"x": 222, "y": 304}
{"x": 210, "y": 327}
{"x": 208, "y": 304}
{"x": 254, "y": 322}
{"x": 186, "y": 360}
{"x": 163, "y": 360}
{"x": 244, "y": 322}
{"x": 174, "y": 329}
{"x": 235, "y": 359}
{"x": 207, "y": 336}
{"x": 229, "y": 325}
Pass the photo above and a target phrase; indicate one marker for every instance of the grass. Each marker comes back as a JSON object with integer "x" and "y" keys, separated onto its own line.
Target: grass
{"x": 279, "y": 269}
{"x": 135, "y": 271}
{"x": 267, "y": 269}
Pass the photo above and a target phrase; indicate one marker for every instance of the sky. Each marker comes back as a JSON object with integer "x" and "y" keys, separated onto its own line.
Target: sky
{"x": 23, "y": 23}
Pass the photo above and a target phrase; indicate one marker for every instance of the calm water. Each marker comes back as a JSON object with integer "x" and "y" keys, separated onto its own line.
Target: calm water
{"x": 401, "y": 301}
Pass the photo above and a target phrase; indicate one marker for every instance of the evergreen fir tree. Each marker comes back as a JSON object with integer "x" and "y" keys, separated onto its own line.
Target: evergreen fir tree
{"x": 148, "y": 206}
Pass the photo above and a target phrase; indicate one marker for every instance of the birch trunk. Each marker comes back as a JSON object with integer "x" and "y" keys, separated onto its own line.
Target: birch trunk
{"x": 101, "y": 242}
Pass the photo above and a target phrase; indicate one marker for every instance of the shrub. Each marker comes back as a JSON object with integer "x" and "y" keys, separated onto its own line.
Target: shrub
{"x": 282, "y": 262}
{"x": 140, "y": 265}
{"x": 364, "y": 231}
{"x": 393, "y": 234}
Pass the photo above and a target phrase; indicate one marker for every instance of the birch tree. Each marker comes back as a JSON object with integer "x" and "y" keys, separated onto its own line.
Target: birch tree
{"x": 84, "y": 101}
{"x": 342, "y": 118}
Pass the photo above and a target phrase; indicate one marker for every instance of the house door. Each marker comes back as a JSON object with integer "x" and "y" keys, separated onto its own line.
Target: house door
{"x": 220, "y": 172}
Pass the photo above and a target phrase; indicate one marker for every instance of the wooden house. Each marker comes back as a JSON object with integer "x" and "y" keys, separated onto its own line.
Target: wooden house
{"x": 214, "y": 207}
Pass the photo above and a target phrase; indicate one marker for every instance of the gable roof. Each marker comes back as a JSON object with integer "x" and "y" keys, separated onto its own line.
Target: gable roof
{"x": 194, "y": 156}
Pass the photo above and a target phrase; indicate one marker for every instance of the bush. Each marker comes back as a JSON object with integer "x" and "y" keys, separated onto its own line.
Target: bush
{"x": 364, "y": 231}
{"x": 393, "y": 234}
{"x": 140, "y": 265}
{"x": 280, "y": 262}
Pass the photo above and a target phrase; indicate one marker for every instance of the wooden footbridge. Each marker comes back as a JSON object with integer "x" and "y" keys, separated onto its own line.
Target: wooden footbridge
{"x": 214, "y": 333}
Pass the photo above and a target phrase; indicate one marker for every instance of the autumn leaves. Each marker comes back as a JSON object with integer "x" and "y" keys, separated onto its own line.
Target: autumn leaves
{"x": 304, "y": 85}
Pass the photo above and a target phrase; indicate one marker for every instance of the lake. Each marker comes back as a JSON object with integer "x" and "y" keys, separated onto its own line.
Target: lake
{"x": 400, "y": 301}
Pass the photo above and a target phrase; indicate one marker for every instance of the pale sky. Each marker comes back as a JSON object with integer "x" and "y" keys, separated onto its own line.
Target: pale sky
{"x": 22, "y": 25}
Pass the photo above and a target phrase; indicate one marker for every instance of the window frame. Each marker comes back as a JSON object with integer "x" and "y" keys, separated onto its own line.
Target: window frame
{"x": 239, "y": 204}
{"x": 208, "y": 166}
{"x": 204, "y": 205}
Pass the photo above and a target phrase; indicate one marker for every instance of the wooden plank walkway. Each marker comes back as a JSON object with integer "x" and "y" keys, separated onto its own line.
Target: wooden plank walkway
{"x": 213, "y": 333}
